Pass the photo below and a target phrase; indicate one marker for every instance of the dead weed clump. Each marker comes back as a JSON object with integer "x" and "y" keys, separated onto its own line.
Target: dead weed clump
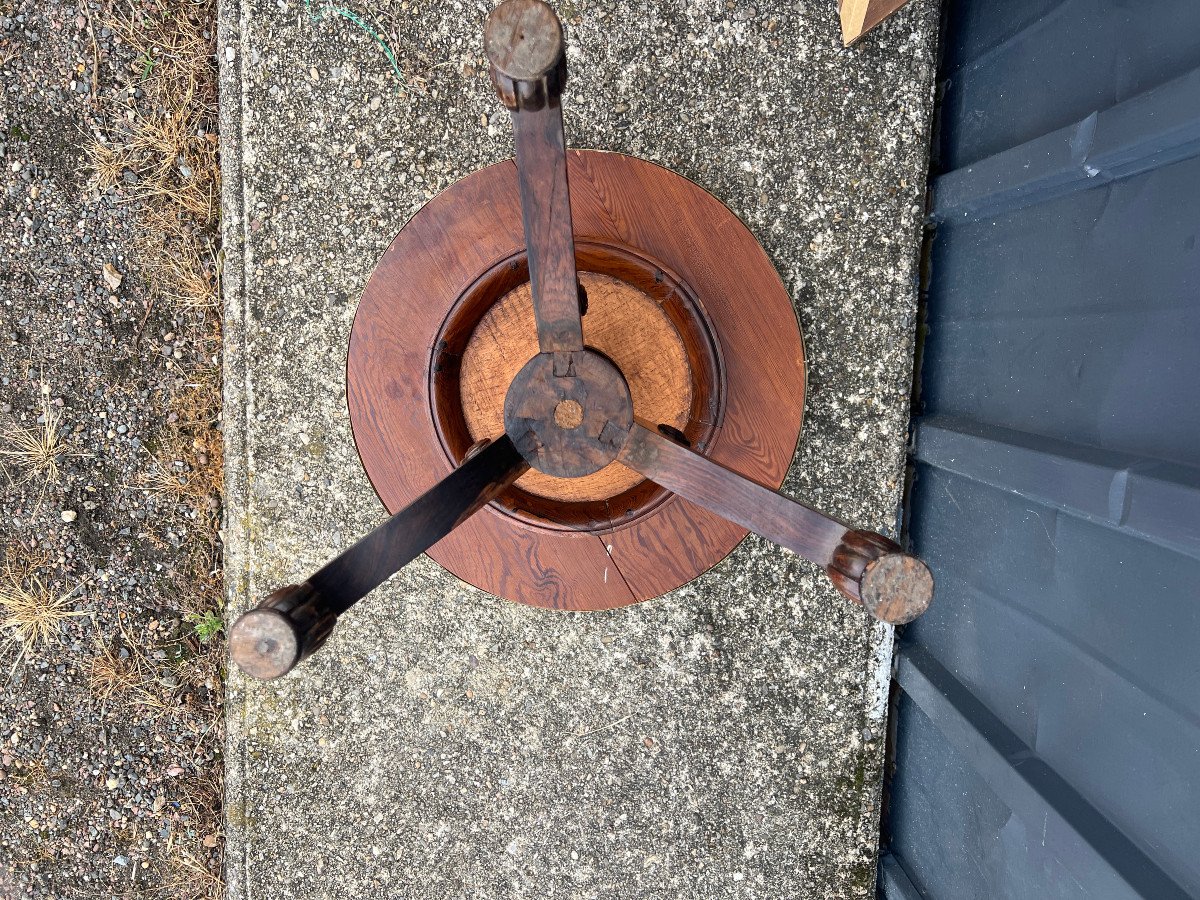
{"x": 187, "y": 468}
{"x": 166, "y": 156}
{"x": 112, "y": 675}
{"x": 31, "y": 612}
{"x": 163, "y": 156}
{"x": 124, "y": 676}
{"x": 185, "y": 479}
{"x": 34, "y": 451}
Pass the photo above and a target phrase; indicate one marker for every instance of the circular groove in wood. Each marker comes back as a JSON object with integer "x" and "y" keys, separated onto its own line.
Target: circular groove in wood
{"x": 623, "y": 323}
{"x": 676, "y": 302}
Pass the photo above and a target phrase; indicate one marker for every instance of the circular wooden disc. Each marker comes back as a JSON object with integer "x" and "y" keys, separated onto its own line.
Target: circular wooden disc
{"x": 621, "y": 322}
{"x": 619, "y": 200}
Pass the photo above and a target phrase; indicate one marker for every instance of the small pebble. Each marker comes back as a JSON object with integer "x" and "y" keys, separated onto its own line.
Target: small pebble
{"x": 112, "y": 277}
{"x": 68, "y": 515}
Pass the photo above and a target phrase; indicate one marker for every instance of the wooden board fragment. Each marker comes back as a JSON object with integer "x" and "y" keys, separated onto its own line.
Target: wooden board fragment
{"x": 860, "y": 16}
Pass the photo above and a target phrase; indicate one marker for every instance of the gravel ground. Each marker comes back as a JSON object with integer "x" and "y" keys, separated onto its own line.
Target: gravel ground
{"x": 109, "y": 499}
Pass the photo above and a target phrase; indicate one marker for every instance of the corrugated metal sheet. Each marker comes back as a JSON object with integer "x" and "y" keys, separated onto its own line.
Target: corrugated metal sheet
{"x": 1047, "y": 738}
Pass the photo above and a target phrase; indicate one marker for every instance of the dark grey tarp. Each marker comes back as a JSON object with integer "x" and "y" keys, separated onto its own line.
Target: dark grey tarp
{"x": 1047, "y": 710}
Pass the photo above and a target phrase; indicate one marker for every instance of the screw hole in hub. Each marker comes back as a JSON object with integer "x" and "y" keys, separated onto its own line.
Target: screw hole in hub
{"x": 568, "y": 415}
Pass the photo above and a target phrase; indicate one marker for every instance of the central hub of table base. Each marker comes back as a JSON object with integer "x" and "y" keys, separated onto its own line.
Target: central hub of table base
{"x": 629, "y": 327}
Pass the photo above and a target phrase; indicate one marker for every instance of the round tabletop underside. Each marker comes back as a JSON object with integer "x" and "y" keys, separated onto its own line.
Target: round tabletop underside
{"x": 617, "y": 200}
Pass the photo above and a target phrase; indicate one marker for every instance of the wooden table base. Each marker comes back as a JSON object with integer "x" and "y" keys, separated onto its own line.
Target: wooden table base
{"x": 680, "y": 297}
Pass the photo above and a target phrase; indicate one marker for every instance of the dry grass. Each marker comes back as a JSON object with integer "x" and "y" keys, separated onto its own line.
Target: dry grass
{"x": 112, "y": 677}
{"x": 34, "y": 451}
{"x": 171, "y": 148}
{"x": 172, "y": 144}
{"x": 190, "y": 879}
{"x": 163, "y": 482}
{"x": 30, "y": 773}
{"x": 188, "y": 466}
{"x": 30, "y": 611}
{"x": 188, "y": 281}
{"x": 186, "y": 479}
{"x": 146, "y": 688}
{"x": 133, "y": 682}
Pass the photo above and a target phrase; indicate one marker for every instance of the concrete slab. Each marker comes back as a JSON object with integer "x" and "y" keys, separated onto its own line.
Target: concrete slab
{"x": 724, "y": 741}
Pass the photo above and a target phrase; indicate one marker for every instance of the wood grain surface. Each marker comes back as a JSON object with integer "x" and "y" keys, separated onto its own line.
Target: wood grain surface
{"x": 474, "y": 226}
{"x": 860, "y": 16}
{"x": 676, "y": 302}
{"x": 546, "y": 213}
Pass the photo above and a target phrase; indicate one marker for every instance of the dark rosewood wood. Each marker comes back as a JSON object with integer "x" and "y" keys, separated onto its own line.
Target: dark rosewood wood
{"x": 290, "y": 625}
{"x": 658, "y": 217}
{"x": 622, "y": 323}
{"x": 868, "y": 568}
{"x": 524, "y": 42}
{"x": 487, "y": 471}
{"x": 893, "y": 586}
{"x": 269, "y": 640}
{"x": 569, "y": 411}
{"x": 546, "y": 215}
